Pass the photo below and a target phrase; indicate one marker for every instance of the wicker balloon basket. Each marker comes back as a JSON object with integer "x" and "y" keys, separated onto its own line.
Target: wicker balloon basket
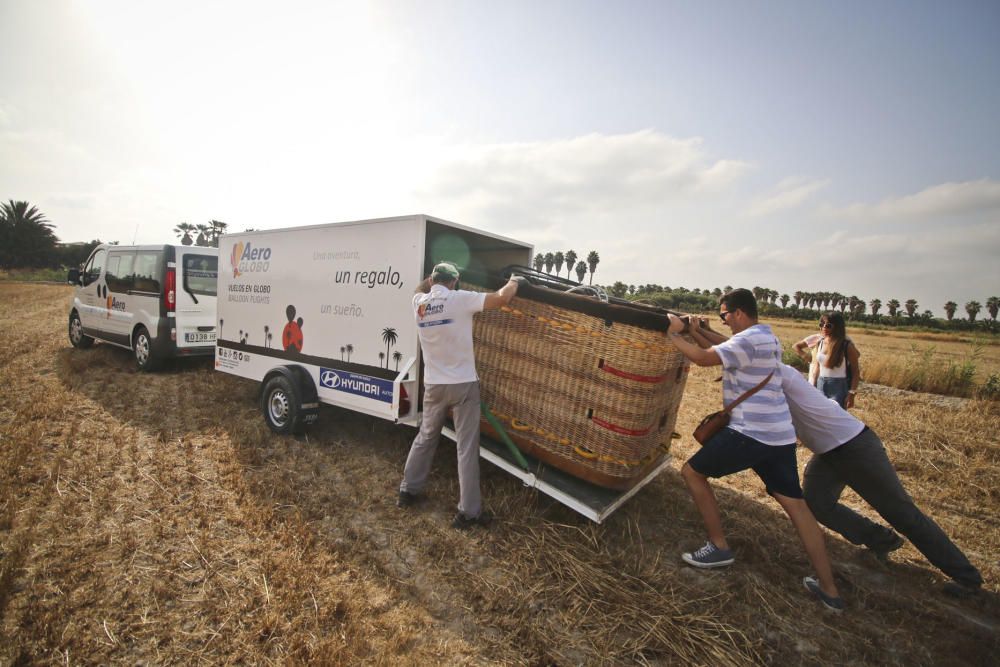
{"x": 588, "y": 387}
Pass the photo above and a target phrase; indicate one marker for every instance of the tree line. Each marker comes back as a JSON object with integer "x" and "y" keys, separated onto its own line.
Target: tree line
{"x": 208, "y": 234}
{"x": 803, "y": 304}
{"x": 555, "y": 260}
{"x": 28, "y": 239}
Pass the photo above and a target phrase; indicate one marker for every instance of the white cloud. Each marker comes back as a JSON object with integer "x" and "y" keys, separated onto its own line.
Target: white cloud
{"x": 579, "y": 187}
{"x": 947, "y": 199}
{"x": 789, "y": 193}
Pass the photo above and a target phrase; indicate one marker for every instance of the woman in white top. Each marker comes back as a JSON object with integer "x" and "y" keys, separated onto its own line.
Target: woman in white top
{"x": 834, "y": 369}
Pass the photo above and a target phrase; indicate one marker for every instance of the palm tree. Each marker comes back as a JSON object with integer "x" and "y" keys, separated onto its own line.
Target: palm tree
{"x": 558, "y": 261}
{"x": 784, "y": 300}
{"x": 875, "y": 305}
{"x": 798, "y": 297}
{"x": 893, "y": 306}
{"x": 949, "y": 309}
{"x": 539, "y": 262}
{"x": 973, "y": 308}
{"x": 341, "y": 352}
{"x": 570, "y": 258}
{"x": 911, "y": 307}
{"x": 183, "y": 230}
{"x": 593, "y": 259}
{"x": 550, "y": 261}
{"x": 350, "y": 348}
{"x": 26, "y": 237}
{"x": 389, "y": 338}
{"x": 581, "y": 271}
{"x": 204, "y": 235}
{"x": 381, "y": 356}
{"x": 993, "y": 305}
{"x": 216, "y": 229}
{"x": 397, "y": 356}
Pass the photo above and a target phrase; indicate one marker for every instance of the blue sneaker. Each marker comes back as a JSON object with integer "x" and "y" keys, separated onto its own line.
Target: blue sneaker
{"x": 836, "y": 605}
{"x": 709, "y": 556}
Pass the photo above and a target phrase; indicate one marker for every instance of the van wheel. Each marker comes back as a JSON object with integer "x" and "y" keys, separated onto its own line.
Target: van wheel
{"x": 76, "y": 336}
{"x": 142, "y": 346}
{"x": 281, "y": 405}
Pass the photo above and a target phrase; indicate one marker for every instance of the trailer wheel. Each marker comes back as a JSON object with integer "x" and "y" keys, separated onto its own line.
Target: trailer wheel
{"x": 76, "y": 335}
{"x": 282, "y": 406}
{"x": 142, "y": 347}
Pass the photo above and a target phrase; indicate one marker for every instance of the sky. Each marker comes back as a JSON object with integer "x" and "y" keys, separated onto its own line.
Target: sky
{"x": 815, "y": 146}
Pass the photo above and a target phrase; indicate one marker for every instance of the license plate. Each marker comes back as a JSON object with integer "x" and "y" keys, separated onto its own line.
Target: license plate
{"x": 199, "y": 337}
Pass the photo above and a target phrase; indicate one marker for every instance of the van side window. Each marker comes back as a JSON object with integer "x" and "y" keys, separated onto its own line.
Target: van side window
{"x": 95, "y": 264}
{"x": 201, "y": 274}
{"x": 119, "y": 273}
{"x": 147, "y": 271}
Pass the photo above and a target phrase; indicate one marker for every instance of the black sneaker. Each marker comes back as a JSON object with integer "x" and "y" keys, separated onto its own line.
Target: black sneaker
{"x": 836, "y": 605}
{"x": 462, "y": 522}
{"x": 883, "y": 550}
{"x": 957, "y": 589}
{"x": 709, "y": 556}
{"x": 407, "y": 499}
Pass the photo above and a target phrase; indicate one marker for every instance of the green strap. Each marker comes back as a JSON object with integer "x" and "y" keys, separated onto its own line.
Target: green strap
{"x": 498, "y": 427}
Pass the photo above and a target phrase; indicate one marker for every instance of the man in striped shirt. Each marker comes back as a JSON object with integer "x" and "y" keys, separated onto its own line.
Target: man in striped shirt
{"x": 760, "y": 436}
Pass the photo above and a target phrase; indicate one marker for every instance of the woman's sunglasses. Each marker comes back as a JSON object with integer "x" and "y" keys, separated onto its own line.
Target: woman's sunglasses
{"x": 825, "y": 325}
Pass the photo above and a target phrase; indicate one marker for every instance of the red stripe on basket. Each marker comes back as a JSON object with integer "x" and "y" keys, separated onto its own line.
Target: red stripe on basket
{"x": 652, "y": 379}
{"x": 620, "y": 429}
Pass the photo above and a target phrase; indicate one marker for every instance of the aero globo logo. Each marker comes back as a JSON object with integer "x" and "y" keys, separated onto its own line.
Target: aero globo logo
{"x": 114, "y": 303}
{"x": 245, "y": 258}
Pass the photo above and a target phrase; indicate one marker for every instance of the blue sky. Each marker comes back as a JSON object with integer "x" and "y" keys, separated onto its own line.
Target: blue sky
{"x": 848, "y": 147}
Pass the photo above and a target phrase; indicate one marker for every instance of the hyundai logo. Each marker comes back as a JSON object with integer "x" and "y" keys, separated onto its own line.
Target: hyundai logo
{"x": 329, "y": 379}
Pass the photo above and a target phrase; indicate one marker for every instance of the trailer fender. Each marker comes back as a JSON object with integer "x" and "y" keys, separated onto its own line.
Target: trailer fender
{"x": 288, "y": 399}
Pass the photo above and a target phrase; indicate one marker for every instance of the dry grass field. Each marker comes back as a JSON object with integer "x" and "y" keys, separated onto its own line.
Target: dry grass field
{"x": 155, "y": 519}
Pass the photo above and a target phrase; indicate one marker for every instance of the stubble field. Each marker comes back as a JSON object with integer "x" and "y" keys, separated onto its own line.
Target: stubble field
{"x": 155, "y": 519}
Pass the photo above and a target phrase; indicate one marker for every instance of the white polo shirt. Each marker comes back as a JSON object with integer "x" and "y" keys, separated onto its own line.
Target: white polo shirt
{"x": 820, "y": 422}
{"x": 444, "y": 326}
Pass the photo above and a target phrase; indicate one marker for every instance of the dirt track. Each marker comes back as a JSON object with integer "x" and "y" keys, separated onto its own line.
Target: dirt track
{"x": 153, "y": 518}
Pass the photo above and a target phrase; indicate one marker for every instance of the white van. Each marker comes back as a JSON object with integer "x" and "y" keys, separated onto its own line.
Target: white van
{"x": 156, "y": 300}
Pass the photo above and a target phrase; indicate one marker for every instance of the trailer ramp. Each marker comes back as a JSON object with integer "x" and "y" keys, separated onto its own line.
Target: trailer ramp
{"x": 594, "y": 502}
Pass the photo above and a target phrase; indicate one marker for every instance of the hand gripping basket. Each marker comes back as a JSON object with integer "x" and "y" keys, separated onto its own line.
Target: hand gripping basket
{"x": 585, "y": 385}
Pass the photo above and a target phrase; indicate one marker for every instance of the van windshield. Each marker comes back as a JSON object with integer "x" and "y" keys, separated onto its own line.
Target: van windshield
{"x": 201, "y": 274}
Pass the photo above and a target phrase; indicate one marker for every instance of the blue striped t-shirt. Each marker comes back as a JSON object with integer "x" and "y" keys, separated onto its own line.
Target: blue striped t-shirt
{"x": 747, "y": 358}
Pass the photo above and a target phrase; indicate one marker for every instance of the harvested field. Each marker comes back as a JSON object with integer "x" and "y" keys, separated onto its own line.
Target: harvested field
{"x": 155, "y": 519}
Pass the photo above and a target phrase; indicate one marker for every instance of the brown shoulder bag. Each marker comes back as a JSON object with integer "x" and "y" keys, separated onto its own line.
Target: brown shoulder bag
{"x": 717, "y": 421}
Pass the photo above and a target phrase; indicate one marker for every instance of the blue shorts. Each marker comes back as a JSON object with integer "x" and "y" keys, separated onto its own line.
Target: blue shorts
{"x": 730, "y": 452}
{"x": 835, "y": 388}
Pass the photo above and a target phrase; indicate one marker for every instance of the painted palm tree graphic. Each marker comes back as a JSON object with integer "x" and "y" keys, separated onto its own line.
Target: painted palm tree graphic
{"x": 342, "y": 348}
{"x": 389, "y": 337}
{"x": 349, "y": 348}
{"x": 267, "y": 335}
{"x": 397, "y": 356}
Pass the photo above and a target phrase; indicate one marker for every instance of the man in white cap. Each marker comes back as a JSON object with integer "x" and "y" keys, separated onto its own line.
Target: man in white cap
{"x": 444, "y": 325}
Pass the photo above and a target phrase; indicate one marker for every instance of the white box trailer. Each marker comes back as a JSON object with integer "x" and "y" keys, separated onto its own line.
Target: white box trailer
{"x": 322, "y": 314}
